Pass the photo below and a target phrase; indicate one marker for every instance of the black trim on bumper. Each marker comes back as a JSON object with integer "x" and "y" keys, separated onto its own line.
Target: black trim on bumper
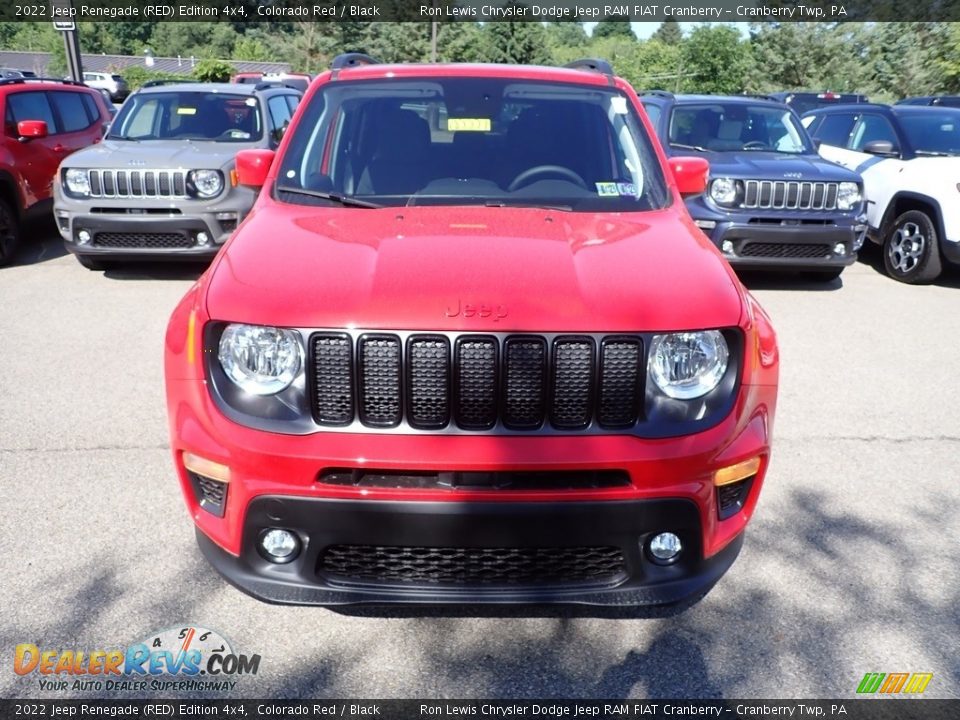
{"x": 320, "y": 523}
{"x": 809, "y": 234}
{"x": 143, "y": 224}
{"x": 950, "y": 251}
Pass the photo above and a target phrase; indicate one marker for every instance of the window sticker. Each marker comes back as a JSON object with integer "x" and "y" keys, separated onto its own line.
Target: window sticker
{"x": 607, "y": 189}
{"x": 468, "y": 125}
{"x": 186, "y": 111}
{"x": 627, "y": 189}
{"x": 619, "y": 104}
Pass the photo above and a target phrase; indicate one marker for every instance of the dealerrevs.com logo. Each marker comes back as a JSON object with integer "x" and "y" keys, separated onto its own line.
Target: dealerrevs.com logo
{"x": 894, "y": 683}
{"x": 187, "y": 658}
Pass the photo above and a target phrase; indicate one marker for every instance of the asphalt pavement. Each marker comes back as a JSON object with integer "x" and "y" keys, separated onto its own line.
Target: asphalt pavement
{"x": 851, "y": 564}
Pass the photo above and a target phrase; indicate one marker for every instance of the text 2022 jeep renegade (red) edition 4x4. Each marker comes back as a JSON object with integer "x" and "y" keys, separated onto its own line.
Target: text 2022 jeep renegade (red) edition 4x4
{"x": 469, "y": 346}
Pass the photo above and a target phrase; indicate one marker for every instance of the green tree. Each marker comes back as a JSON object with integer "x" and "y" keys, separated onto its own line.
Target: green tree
{"x": 461, "y": 41}
{"x": 716, "y": 59}
{"x": 211, "y": 70}
{"x": 669, "y": 32}
{"x": 193, "y": 39}
{"x": 566, "y": 35}
{"x": 251, "y": 48}
{"x": 398, "y": 41}
{"x": 516, "y": 42}
{"x": 613, "y": 28}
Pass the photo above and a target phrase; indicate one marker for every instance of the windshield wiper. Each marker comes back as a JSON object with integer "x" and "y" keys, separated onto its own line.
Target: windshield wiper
{"x": 344, "y": 200}
{"x": 523, "y": 204}
{"x": 698, "y": 148}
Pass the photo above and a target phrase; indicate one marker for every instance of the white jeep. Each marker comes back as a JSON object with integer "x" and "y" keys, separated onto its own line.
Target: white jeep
{"x": 909, "y": 157}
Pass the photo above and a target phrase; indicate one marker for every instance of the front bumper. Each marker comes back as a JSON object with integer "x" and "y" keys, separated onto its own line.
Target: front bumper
{"x": 146, "y": 228}
{"x": 490, "y": 534}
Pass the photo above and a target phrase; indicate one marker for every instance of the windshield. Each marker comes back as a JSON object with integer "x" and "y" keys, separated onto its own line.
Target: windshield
{"x": 933, "y": 131}
{"x": 732, "y": 127}
{"x": 210, "y": 116}
{"x": 472, "y": 141}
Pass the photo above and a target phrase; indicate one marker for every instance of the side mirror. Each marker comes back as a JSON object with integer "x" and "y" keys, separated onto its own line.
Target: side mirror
{"x": 253, "y": 167}
{"x": 690, "y": 174}
{"x": 883, "y": 148}
{"x": 32, "y": 129}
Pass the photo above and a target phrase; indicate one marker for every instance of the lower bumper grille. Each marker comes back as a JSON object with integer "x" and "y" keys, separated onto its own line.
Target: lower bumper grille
{"x": 142, "y": 240}
{"x": 785, "y": 250}
{"x": 459, "y": 566}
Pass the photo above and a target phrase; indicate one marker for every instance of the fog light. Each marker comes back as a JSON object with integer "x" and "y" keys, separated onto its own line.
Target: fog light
{"x": 665, "y": 547}
{"x": 203, "y": 238}
{"x": 839, "y": 249}
{"x": 727, "y": 247}
{"x": 84, "y": 237}
{"x": 279, "y": 546}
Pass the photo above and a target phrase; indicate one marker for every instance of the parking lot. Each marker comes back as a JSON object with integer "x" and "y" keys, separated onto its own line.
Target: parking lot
{"x": 850, "y": 564}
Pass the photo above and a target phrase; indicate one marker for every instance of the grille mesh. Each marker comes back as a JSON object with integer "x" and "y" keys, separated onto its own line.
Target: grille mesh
{"x": 785, "y": 250}
{"x": 791, "y": 195}
{"x": 472, "y": 566}
{"x": 525, "y": 363}
{"x": 333, "y": 379}
{"x": 137, "y": 183}
{"x": 429, "y": 389}
{"x": 380, "y": 380}
{"x": 619, "y": 383}
{"x": 476, "y": 382}
{"x": 142, "y": 240}
{"x": 572, "y": 382}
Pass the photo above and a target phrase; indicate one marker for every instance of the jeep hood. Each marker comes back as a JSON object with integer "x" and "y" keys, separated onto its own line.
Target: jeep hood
{"x": 472, "y": 269}
{"x": 759, "y": 165}
{"x": 156, "y": 154}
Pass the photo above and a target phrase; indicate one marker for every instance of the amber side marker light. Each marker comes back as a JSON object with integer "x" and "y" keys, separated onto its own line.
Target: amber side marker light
{"x": 206, "y": 468}
{"x": 736, "y": 473}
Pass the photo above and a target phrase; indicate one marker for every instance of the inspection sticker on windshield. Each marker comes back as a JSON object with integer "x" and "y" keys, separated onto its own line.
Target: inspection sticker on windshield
{"x": 628, "y": 189}
{"x": 468, "y": 124}
{"x": 186, "y": 111}
{"x": 616, "y": 189}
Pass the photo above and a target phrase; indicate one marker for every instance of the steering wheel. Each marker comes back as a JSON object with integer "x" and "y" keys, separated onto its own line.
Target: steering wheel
{"x": 524, "y": 177}
{"x": 755, "y": 144}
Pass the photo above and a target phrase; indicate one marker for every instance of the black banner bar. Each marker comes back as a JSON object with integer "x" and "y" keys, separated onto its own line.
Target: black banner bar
{"x": 878, "y": 708}
{"x": 482, "y": 10}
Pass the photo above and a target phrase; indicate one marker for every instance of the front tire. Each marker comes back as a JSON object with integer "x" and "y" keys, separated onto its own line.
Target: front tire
{"x": 9, "y": 233}
{"x": 911, "y": 249}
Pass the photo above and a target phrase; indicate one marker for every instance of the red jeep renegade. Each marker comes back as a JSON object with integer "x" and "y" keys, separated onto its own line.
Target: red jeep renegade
{"x": 470, "y": 347}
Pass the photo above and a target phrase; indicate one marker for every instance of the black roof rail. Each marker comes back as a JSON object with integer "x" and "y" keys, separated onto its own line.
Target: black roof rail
{"x": 267, "y": 84}
{"x": 762, "y": 96}
{"x": 347, "y": 60}
{"x": 659, "y": 93}
{"x": 21, "y": 80}
{"x": 155, "y": 83}
{"x": 592, "y": 65}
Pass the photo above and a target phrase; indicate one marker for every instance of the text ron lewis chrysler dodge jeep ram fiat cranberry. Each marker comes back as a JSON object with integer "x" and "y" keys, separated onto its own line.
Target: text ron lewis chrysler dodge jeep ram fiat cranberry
{"x": 470, "y": 347}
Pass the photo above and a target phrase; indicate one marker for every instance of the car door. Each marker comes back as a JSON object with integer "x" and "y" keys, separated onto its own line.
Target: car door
{"x": 78, "y": 127}
{"x": 36, "y": 159}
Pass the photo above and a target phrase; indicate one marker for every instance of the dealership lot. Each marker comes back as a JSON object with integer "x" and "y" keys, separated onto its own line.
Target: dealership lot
{"x": 850, "y": 565}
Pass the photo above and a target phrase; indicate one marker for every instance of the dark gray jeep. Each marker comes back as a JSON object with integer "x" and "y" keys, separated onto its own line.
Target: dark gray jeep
{"x": 772, "y": 202}
{"x": 162, "y": 184}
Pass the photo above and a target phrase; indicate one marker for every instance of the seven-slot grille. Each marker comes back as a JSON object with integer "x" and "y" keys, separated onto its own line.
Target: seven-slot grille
{"x": 138, "y": 183}
{"x": 792, "y": 195}
{"x": 476, "y": 382}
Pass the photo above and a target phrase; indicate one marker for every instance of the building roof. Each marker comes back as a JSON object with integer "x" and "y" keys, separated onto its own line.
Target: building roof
{"x": 38, "y": 61}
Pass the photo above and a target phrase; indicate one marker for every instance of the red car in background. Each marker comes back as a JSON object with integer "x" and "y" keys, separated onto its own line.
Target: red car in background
{"x": 44, "y": 120}
{"x": 297, "y": 81}
{"x": 469, "y": 347}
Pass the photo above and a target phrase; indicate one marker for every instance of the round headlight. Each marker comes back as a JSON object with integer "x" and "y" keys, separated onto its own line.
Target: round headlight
{"x": 723, "y": 191}
{"x": 688, "y": 365}
{"x": 207, "y": 183}
{"x": 77, "y": 181}
{"x": 261, "y": 360}
{"x": 848, "y": 196}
